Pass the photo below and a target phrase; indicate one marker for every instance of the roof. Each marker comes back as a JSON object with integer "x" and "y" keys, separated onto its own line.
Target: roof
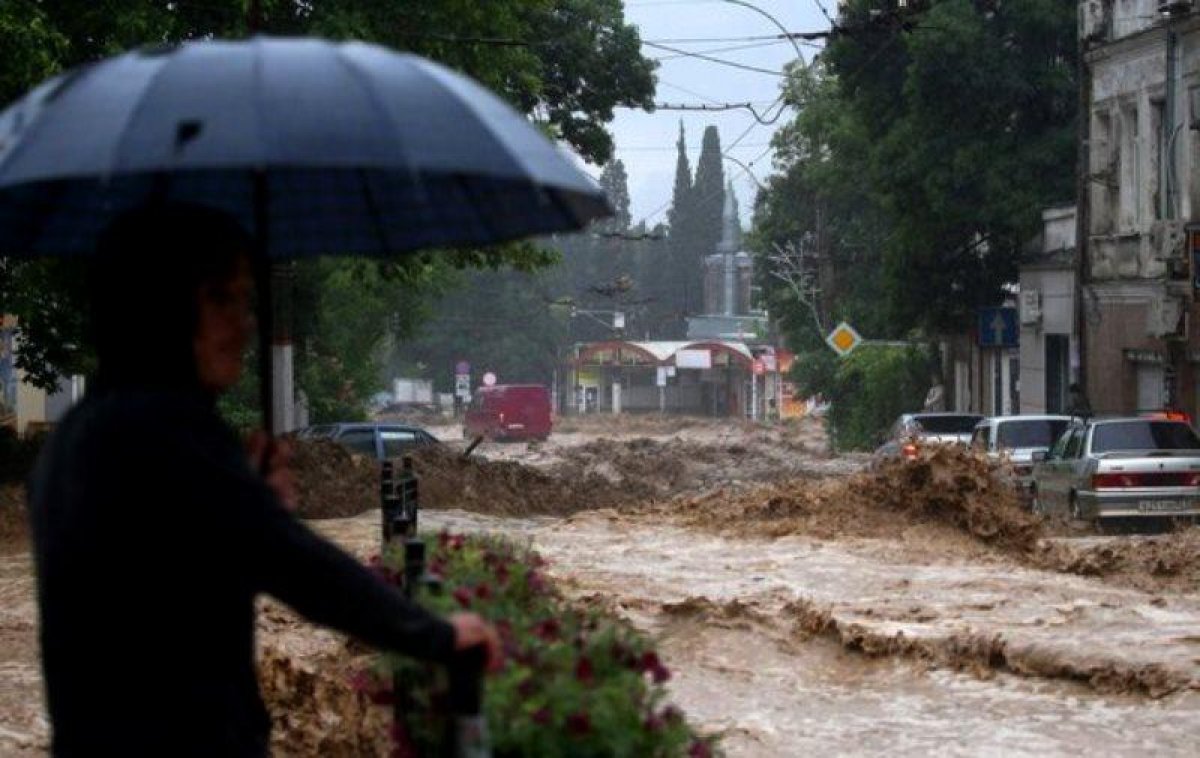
{"x": 664, "y": 352}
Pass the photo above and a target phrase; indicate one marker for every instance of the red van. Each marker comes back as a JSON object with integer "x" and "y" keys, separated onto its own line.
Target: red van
{"x": 509, "y": 412}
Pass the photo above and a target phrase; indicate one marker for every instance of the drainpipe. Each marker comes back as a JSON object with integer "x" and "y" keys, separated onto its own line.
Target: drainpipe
{"x": 1083, "y": 214}
{"x": 1167, "y": 185}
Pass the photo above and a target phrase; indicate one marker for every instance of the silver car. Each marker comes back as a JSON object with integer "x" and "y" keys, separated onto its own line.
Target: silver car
{"x": 1127, "y": 468}
{"x": 1017, "y": 438}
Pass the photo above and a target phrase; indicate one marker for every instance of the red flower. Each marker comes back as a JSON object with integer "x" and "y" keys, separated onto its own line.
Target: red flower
{"x": 502, "y": 574}
{"x": 538, "y": 561}
{"x": 527, "y": 687}
{"x": 547, "y": 630}
{"x": 650, "y": 661}
{"x": 463, "y": 596}
{"x": 579, "y": 724}
{"x": 443, "y": 538}
{"x": 541, "y": 716}
{"x": 671, "y": 714}
{"x": 382, "y": 697}
{"x": 654, "y": 723}
{"x": 457, "y": 541}
{"x": 699, "y": 750}
{"x": 483, "y": 592}
{"x": 653, "y": 666}
{"x": 584, "y": 671}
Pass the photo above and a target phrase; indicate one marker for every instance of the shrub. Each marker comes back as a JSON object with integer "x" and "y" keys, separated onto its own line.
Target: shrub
{"x": 575, "y": 682}
{"x": 873, "y": 386}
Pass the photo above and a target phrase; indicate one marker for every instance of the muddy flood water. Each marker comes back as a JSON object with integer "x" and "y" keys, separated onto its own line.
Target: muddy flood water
{"x": 732, "y": 617}
{"x": 798, "y": 612}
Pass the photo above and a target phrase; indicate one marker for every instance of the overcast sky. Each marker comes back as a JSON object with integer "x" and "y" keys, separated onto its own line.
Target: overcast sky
{"x": 646, "y": 141}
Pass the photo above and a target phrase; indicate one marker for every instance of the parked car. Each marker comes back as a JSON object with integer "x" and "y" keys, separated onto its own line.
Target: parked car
{"x": 509, "y": 412}
{"x": 1017, "y": 438}
{"x": 912, "y": 430}
{"x": 1120, "y": 468}
{"x": 379, "y": 440}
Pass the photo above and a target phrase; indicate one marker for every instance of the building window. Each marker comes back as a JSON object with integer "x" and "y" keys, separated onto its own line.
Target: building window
{"x": 1150, "y": 386}
{"x": 1128, "y": 173}
{"x": 1157, "y": 200}
{"x": 1106, "y": 206}
{"x": 1057, "y": 372}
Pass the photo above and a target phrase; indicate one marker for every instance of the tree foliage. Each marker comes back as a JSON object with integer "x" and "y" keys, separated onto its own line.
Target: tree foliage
{"x": 926, "y": 142}
{"x": 565, "y": 63}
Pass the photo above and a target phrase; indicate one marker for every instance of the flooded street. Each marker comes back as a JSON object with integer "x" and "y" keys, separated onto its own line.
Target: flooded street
{"x": 908, "y": 665}
{"x": 795, "y": 616}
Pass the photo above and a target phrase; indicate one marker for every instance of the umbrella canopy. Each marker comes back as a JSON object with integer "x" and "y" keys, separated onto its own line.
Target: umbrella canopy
{"x": 316, "y": 147}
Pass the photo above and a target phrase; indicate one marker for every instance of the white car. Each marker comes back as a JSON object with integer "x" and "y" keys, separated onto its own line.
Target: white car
{"x": 1017, "y": 438}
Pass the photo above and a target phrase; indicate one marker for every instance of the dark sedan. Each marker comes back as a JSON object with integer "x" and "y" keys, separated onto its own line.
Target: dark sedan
{"x": 378, "y": 440}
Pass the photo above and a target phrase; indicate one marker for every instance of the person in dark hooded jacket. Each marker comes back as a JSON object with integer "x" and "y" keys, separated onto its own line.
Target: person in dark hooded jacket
{"x": 154, "y": 531}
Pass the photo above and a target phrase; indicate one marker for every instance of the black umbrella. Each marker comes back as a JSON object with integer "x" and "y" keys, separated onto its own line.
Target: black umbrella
{"x": 316, "y": 147}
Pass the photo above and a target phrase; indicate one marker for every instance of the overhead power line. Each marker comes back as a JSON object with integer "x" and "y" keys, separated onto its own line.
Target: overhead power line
{"x": 761, "y": 118}
{"x": 802, "y": 36}
{"x": 726, "y": 49}
{"x": 711, "y": 59}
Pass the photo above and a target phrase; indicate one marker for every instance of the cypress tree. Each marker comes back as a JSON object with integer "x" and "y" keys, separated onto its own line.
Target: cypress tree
{"x": 708, "y": 195}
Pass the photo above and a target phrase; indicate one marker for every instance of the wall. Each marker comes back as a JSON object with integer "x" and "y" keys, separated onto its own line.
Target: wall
{"x": 1056, "y": 286}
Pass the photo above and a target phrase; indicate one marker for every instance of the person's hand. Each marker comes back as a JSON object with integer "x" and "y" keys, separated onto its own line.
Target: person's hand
{"x": 471, "y": 630}
{"x": 270, "y": 457}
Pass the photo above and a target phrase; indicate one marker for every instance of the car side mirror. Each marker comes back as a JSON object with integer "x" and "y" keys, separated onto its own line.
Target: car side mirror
{"x": 1040, "y": 456}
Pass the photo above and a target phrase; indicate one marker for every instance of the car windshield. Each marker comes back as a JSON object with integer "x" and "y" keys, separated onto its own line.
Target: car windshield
{"x": 947, "y": 424}
{"x": 1144, "y": 435}
{"x": 1030, "y": 433}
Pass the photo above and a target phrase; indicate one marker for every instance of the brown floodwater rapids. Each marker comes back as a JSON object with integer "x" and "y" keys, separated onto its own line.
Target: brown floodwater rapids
{"x": 791, "y": 645}
{"x": 794, "y": 645}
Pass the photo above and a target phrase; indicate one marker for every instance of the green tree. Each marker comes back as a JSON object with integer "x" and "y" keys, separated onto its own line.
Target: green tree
{"x": 708, "y": 196}
{"x": 972, "y": 133}
{"x": 566, "y": 63}
{"x": 926, "y": 143}
{"x": 615, "y": 183}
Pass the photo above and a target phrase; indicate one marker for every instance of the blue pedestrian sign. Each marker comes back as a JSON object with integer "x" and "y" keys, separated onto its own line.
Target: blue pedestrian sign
{"x": 998, "y": 327}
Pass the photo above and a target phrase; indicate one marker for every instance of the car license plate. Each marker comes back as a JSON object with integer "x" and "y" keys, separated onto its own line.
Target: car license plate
{"x": 1164, "y": 506}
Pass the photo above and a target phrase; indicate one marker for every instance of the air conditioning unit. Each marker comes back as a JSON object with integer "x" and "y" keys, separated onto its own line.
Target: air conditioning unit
{"x": 1031, "y": 306}
{"x": 1166, "y": 318}
{"x": 1167, "y": 239}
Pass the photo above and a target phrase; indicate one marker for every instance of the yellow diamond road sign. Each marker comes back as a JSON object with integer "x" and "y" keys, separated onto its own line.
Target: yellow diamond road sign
{"x": 843, "y": 339}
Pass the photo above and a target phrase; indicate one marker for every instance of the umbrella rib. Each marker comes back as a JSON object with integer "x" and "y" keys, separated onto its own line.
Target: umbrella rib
{"x": 160, "y": 62}
{"x": 373, "y": 209}
{"x": 373, "y": 96}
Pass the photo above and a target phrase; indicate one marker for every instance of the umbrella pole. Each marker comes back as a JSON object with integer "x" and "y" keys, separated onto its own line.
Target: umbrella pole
{"x": 266, "y": 306}
{"x": 266, "y": 329}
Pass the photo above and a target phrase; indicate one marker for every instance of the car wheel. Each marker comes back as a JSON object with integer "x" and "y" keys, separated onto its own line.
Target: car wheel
{"x": 1076, "y": 511}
